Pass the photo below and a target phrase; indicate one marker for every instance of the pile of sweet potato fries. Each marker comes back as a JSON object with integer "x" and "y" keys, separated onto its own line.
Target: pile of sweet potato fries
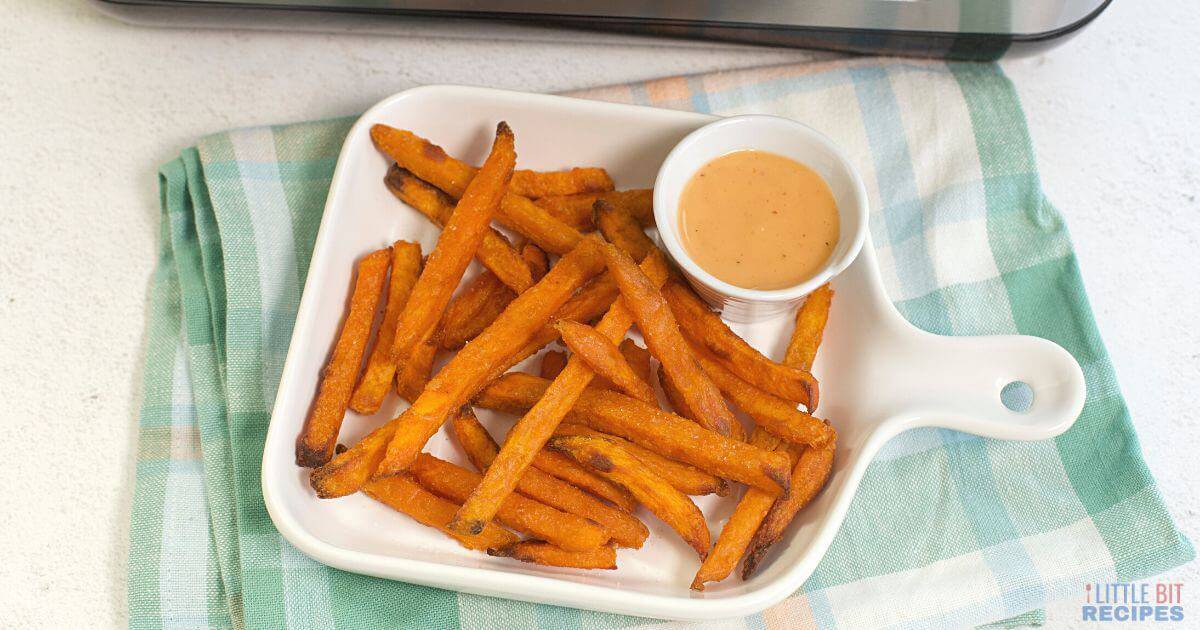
{"x": 592, "y": 442}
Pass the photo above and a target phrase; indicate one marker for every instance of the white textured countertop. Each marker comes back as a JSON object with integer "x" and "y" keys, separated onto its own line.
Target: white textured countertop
{"x": 89, "y": 107}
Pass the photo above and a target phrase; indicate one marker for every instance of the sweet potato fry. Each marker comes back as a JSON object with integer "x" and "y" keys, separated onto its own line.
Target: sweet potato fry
{"x": 665, "y": 433}
{"x": 495, "y": 252}
{"x": 639, "y": 359}
{"x": 463, "y": 376}
{"x": 686, "y": 479}
{"x": 531, "y": 432}
{"x": 455, "y": 247}
{"x": 621, "y": 229}
{"x": 638, "y": 202}
{"x": 548, "y": 555}
{"x": 374, "y": 382}
{"x": 481, "y": 302}
{"x": 315, "y": 444}
{"x": 467, "y": 371}
{"x": 604, "y": 358}
{"x": 814, "y": 464}
{"x": 415, "y": 372}
{"x": 430, "y": 163}
{"x": 481, "y": 449}
{"x": 522, "y": 514}
{"x": 404, "y": 495}
{"x": 575, "y": 181}
{"x": 665, "y": 342}
{"x": 808, "y": 477}
{"x": 769, "y": 412}
{"x": 706, "y": 327}
{"x": 740, "y": 528}
{"x": 810, "y": 328}
{"x": 564, "y": 468}
{"x": 552, "y": 364}
{"x": 610, "y": 460}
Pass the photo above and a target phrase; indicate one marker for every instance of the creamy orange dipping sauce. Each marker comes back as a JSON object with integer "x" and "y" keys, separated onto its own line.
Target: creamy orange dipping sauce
{"x": 758, "y": 220}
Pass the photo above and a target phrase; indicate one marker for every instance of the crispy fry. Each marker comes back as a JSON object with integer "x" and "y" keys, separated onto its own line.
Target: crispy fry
{"x": 404, "y": 495}
{"x": 638, "y": 202}
{"x": 706, "y": 327}
{"x": 463, "y": 376}
{"x": 739, "y": 529}
{"x": 611, "y": 460}
{"x": 373, "y": 384}
{"x": 769, "y": 412}
{"x": 621, "y": 229}
{"x": 623, "y": 527}
{"x": 639, "y": 359}
{"x": 686, "y": 479}
{"x": 522, "y": 514}
{"x": 315, "y": 444}
{"x": 481, "y": 302}
{"x": 810, "y": 328}
{"x": 415, "y": 372}
{"x": 467, "y": 371}
{"x": 604, "y": 358}
{"x": 531, "y": 432}
{"x": 548, "y": 555}
{"x": 570, "y": 182}
{"x": 552, "y": 364}
{"x": 566, "y": 469}
{"x": 665, "y": 342}
{"x": 455, "y": 247}
{"x": 809, "y": 476}
{"x": 811, "y": 468}
{"x": 495, "y": 253}
{"x": 430, "y": 163}
{"x": 665, "y": 433}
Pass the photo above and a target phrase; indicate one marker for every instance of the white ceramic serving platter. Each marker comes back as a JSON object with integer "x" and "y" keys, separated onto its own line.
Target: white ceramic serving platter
{"x": 879, "y": 375}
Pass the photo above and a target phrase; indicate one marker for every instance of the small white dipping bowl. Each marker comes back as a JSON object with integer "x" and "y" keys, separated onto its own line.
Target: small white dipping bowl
{"x": 783, "y": 137}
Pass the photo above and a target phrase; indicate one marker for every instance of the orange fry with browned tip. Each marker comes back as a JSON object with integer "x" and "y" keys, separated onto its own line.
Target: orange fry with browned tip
{"x": 660, "y": 431}
{"x": 666, "y": 343}
{"x": 531, "y": 431}
{"x": 706, "y": 327}
{"x": 456, "y": 246}
{"x": 611, "y": 460}
{"x": 625, "y": 529}
{"x": 495, "y": 252}
{"x": 415, "y": 372}
{"x": 810, "y": 328}
{"x": 315, "y": 444}
{"x": 519, "y": 512}
{"x": 549, "y": 555}
{"x": 639, "y": 359}
{"x": 808, "y": 477}
{"x": 740, "y": 528}
{"x": 685, "y": 478}
{"x": 404, "y": 495}
{"x": 431, "y": 163}
{"x": 769, "y": 412}
{"x": 604, "y": 358}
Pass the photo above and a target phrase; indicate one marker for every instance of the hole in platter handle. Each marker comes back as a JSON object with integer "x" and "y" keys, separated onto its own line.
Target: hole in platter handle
{"x": 1010, "y": 387}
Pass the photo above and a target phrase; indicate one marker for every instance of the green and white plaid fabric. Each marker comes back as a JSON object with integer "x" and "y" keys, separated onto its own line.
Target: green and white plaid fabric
{"x": 947, "y": 529}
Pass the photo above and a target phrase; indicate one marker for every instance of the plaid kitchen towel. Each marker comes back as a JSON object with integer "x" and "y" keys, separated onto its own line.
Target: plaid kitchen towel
{"x": 947, "y": 529}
